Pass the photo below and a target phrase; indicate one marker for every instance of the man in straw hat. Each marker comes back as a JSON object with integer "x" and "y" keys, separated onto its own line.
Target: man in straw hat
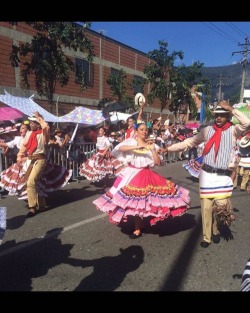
{"x": 243, "y": 168}
{"x": 33, "y": 148}
{"x": 218, "y": 163}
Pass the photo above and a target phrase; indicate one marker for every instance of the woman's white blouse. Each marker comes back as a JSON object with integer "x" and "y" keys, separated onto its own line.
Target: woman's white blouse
{"x": 137, "y": 158}
{"x": 102, "y": 142}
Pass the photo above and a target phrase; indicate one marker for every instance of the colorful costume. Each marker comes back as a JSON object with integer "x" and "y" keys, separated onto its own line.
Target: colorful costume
{"x": 193, "y": 166}
{"x": 54, "y": 177}
{"x": 14, "y": 178}
{"x": 138, "y": 190}
{"x": 99, "y": 166}
{"x": 215, "y": 178}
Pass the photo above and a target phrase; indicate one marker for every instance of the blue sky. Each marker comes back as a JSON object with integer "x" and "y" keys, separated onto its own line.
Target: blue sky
{"x": 211, "y": 43}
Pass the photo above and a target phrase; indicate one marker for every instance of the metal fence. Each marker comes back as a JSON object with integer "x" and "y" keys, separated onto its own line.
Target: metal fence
{"x": 70, "y": 156}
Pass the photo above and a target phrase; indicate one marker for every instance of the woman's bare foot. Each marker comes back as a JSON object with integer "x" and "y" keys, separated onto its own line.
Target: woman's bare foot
{"x": 136, "y": 234}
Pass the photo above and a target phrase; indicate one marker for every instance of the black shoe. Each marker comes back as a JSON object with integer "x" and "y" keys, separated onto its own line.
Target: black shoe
{"x": 30, "y": 214}
{"x": 134, "y": 236}
{"x": 242, "y": 189}
{"x": 204, "y": 244}
{"x": 216, "y": 238}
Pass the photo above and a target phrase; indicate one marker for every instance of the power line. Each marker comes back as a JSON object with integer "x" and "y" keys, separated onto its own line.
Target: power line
{"x": 220, "y": 32}
{"x": 244, "y": 62}
{"x": 227, "y": 35}
{"x": 236, "y": 28}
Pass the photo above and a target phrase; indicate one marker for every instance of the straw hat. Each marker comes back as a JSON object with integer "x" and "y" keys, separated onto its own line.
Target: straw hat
{"x": 118, "y": 134}
{"x": 245, "y": 142}
{"x": 167, "y": 122}
{"x": 33, "y": 119}
{"x": 9, "y": 129}
{"x": 139, "y": 98}
{"x": 220, "y": 110}
{"x": 151, "y": 137}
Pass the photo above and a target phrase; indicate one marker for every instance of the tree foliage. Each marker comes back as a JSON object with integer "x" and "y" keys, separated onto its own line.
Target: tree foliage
{"x": 119, "y": 85}
{"x": 160, "y": 71}
{"x": 44, "y": 55}
{"x": 172, "y": 85}
{"x": 187, "y": 78}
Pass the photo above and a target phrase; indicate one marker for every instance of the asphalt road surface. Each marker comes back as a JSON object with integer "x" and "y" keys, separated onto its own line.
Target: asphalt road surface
{"x": 73, "y": 247}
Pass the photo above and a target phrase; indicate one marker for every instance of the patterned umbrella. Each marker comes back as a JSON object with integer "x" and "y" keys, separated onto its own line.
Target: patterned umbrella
{"x": 27, "y": 105}
{"x": 8, "y": 114}
{"x": 83, "y": 115}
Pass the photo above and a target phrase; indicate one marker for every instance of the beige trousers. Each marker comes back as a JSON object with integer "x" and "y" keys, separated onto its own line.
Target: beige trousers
{"x": 33, "y": 199}
{"x": 245, "y": 173}
{"x": 209, "y": 221}
{"x": 245, "y": 178}
{"x": 238, "y": 172}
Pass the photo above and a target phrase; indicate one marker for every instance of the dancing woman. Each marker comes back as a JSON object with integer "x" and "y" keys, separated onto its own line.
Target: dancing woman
{"x": 139, "y": 191}
{"x": 102, "y": 164}
{"x": 12, "y": 179}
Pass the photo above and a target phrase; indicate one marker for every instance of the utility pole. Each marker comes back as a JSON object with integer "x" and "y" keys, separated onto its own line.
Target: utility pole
{"x": 220, "y": 85}
{"x": 244, "y": 62}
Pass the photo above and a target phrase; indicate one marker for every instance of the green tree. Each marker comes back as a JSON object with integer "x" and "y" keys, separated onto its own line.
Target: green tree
{"x": 172, "y": 85}
{"x": 119, "y": 85}
{"x": 159, "y": 73}
{"x": 185, "y": 78}
{"x": 44, "y": 55}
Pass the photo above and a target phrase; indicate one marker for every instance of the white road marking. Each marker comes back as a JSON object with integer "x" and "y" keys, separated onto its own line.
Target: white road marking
{"x": 52, "y": 234}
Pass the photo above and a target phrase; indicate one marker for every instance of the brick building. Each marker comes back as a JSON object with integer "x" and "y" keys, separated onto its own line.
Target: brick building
{"x": 110, "y": 55}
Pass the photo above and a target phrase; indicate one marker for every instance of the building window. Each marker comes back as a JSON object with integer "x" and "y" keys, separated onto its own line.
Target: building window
{"x": 84, "y": 70}
{"x": 114, "y": 72}
{"x": 138, "y": 84}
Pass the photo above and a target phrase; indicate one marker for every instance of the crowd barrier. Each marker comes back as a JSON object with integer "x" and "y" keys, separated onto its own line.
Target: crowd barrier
{"x": 70, "y": 156}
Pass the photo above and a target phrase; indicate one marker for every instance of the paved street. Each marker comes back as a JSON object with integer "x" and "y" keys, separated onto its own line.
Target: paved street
{"x": 73, "y": 247}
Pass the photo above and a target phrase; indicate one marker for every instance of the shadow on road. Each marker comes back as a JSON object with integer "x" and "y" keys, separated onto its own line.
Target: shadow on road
{"x": 109, "y": 272}
{"x": 32, "y": 259}
{"x": 167, "y": 227}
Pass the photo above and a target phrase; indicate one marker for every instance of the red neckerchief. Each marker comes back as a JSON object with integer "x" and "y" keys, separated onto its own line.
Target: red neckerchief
{"x": 215, "y": 139}
{"x": 32, "y": 142}
{"x": 128, "y": 132}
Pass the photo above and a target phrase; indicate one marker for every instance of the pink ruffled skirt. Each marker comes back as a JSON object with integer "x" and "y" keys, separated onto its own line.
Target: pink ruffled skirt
{"x": 144, "y": 193}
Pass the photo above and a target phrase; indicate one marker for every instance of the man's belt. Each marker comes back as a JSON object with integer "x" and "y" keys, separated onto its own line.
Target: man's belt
{"x": 40, "y": 156}
{"x": 219, "y": 171}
